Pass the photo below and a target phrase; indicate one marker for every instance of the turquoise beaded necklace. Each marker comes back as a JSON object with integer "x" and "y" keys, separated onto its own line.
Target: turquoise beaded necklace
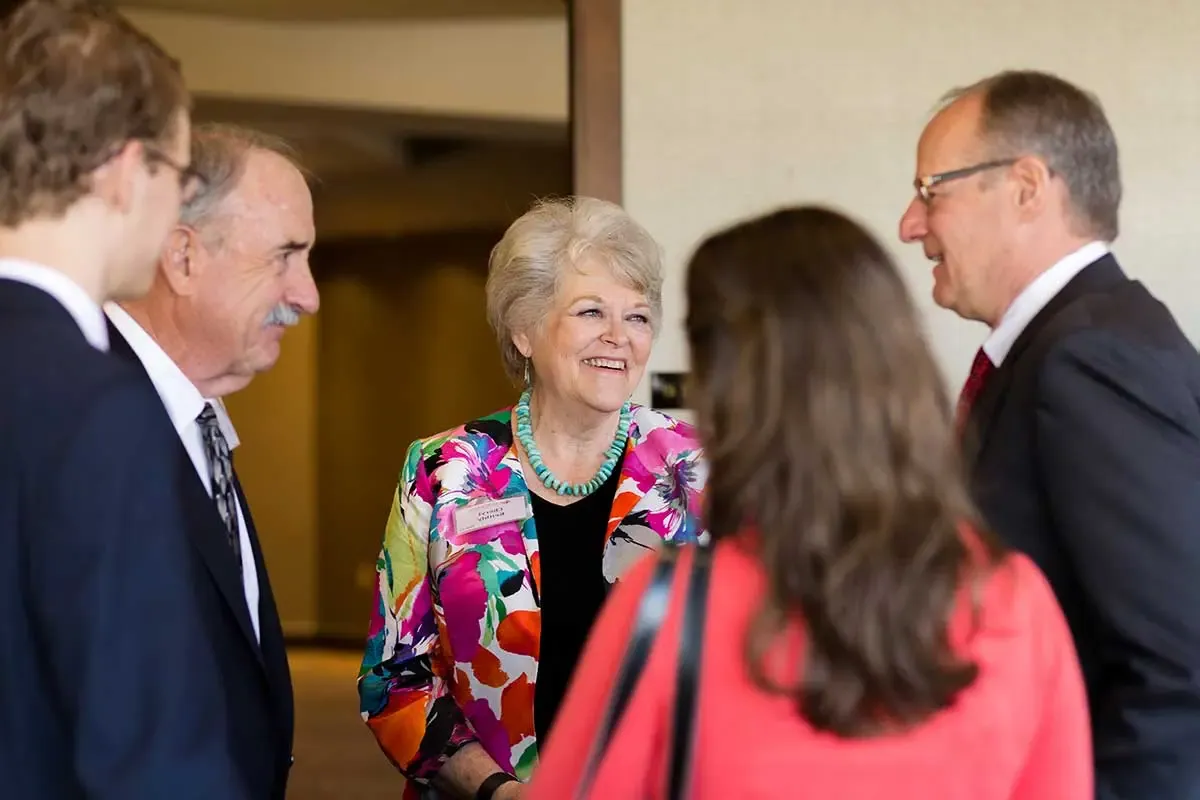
{"x": 525, "y": 436}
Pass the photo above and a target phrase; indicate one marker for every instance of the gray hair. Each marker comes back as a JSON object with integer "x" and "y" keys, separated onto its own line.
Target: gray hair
{"x": 555, "y": 235}
{"x": 1026, "y": 112}
{"x": 219, "y": 153}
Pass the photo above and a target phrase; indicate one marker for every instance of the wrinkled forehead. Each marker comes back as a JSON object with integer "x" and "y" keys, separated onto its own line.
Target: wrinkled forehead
{"x": 591, "y": 273}
{"x": 273, "y": 197}
{"x": 952, "y": 138}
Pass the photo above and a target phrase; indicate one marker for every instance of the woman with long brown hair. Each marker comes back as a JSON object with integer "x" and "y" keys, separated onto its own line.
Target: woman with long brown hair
{"x": 864, "y": 637}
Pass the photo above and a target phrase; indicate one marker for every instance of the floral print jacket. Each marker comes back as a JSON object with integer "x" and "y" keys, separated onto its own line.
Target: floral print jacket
{"x": 454, "y": 635}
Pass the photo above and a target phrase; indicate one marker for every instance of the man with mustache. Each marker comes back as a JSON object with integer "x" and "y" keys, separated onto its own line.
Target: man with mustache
{"x": 109, "y": 685}
{"x": 231, "y": 277}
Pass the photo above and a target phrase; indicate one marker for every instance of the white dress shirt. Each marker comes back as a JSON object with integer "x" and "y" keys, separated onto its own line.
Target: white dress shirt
{"x": 1034, "y": 298}
{"x": 184, "y": 404}
{"x": 70, "y": 295}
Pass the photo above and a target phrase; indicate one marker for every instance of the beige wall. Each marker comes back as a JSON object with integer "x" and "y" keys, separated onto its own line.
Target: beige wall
{"x": 732, "y": 107}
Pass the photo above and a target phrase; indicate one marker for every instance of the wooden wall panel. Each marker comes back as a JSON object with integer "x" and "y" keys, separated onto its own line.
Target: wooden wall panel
{"x": 595, "y": 67}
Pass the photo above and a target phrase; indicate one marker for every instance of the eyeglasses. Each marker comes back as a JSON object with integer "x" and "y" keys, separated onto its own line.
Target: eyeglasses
{"x": 191, "y": 182}
{"x": 924, "y": 185}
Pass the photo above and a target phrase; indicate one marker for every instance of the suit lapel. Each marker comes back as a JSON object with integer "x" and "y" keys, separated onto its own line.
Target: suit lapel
{"x": 1101, "y": 275}
{"x": 505, "y": 479}
{"x": 661, "y": 478}
{"x": 657, "y": 499}
{"x": 657, "y": 495}
{"x": 208, "y": 532}
{"x": 471, "y": 468}
{"x": 273, "y": 649}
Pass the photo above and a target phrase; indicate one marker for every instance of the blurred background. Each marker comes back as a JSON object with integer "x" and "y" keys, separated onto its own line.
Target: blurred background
{"x": 431, "y": 124}
{"x": 428, "y": 127}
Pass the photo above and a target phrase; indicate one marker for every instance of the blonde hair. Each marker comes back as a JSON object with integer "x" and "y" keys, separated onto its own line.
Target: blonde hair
{"x": 555, "y": 235}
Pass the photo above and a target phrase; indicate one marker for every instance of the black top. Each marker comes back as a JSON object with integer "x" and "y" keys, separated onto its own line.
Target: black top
{"x": 571, "y": 549}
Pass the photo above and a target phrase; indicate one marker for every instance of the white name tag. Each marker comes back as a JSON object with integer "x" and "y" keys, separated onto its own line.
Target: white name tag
{"x": 484, "y": 514}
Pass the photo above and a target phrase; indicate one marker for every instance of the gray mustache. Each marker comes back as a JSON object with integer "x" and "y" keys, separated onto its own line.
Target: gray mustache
{"x": 283, "y": 314}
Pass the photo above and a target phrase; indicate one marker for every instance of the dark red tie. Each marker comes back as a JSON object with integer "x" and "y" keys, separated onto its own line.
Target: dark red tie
{"x": 981, "y": 367}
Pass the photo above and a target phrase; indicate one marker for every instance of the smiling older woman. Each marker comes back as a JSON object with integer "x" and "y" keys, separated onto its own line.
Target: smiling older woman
{"x": 506, "y": 533}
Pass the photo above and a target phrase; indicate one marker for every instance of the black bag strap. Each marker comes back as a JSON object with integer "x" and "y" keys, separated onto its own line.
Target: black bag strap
{"x": 687, "y": 676}
{"x": 652, "y": 610}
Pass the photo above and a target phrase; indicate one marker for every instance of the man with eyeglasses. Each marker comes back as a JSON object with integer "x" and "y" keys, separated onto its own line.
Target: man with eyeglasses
{"x": 232, "y": 276}
{"x": 109, "y": 686}
{"x": 1080, "y": 421}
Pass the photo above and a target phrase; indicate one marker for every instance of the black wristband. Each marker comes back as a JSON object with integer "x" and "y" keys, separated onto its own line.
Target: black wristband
{"x": 492, "y": 783}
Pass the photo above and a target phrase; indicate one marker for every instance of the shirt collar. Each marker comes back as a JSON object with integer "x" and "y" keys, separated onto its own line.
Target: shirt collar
{"x": 82, "y": 308}
{"x": 182, "y": 399}
{"x": 1034, "y": 298}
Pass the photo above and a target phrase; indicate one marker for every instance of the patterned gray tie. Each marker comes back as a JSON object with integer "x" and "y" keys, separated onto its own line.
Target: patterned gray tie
{"x": 220, "y": 463}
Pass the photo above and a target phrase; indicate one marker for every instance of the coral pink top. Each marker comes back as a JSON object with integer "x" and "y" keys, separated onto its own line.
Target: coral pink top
{"x": 1020, "y": 732}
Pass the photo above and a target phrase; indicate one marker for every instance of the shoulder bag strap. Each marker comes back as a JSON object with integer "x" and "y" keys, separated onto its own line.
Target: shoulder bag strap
{"x": 651, "y": 612}
{"x": 687, "y": 676}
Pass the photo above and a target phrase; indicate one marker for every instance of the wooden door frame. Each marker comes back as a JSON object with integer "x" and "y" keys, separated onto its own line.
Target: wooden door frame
{"x": 595, "y": 97}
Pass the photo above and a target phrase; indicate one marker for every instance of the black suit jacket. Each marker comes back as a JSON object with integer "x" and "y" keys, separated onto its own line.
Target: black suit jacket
{"x": 109, "y": 687}
{"x": 255, "y": 677}
{"x": 1083, "y": 450}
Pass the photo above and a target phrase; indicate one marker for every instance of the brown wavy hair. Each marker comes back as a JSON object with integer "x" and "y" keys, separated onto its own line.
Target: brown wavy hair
{"x": 77, "y": 81}
{"x": 827, "y": 429}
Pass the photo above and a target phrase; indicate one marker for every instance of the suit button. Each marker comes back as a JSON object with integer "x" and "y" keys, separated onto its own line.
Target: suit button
{"x": 291, "y": 760}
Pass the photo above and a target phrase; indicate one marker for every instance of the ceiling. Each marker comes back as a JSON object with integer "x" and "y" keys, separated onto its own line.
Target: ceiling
{"x": 377, "y": 171}
{"x": 324, "y": 10}
{"x": 338, "y": 143}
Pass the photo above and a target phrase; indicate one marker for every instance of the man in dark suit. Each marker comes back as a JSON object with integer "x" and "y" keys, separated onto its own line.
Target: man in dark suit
{"x": 109, "y": 688}
{"x": 232, "y": 276}
{"x": 1081, "y": 418}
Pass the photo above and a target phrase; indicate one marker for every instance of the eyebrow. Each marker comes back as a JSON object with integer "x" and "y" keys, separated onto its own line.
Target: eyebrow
{"x": 597, "y": 299}
{"x": 292, "y": 247}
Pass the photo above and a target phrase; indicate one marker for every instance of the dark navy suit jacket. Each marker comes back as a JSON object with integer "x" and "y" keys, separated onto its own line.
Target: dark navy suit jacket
{"x": 1084, "y": 452}
{"x": 255, "y": 677}
{"x": 111, "y": 687}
